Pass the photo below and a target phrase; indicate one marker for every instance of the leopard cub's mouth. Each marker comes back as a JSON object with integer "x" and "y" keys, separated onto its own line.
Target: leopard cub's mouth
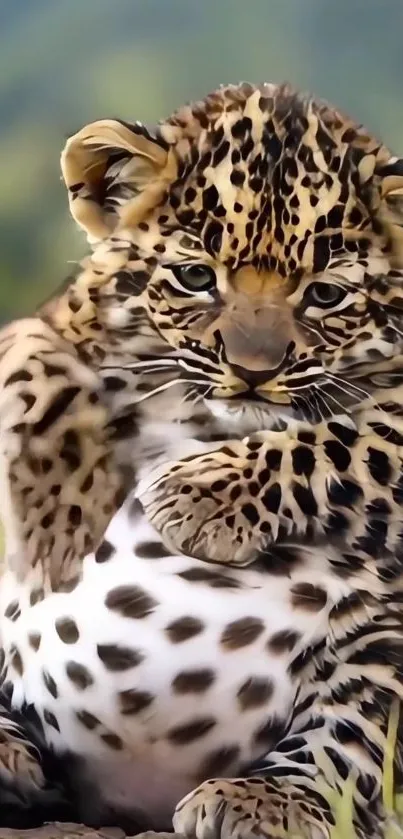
{"x": 248, "y": 414}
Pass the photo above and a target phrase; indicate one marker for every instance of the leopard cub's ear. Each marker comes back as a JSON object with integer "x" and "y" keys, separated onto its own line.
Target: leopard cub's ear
{"x": 112, "y": 170}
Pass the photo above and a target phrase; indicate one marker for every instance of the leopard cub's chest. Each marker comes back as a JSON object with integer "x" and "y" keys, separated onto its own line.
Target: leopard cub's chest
{"x": 161, "y": 666}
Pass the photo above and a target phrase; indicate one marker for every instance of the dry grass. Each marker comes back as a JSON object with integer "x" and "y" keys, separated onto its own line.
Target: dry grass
{"x": 393, "y": 803}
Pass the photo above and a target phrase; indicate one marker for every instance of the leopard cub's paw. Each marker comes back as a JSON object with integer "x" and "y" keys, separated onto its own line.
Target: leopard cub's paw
{"x": 198, "y": 507}
{"x": 19, "y": 761}
{"x": 250, "y": 808}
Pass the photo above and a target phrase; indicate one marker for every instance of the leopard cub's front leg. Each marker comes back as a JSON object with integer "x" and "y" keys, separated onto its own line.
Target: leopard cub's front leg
{"x": 304, "y": 482}
{"x": 59, "y": 482}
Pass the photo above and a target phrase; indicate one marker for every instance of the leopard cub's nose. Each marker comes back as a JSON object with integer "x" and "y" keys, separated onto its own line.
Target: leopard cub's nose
{"x": 253, "y": 378}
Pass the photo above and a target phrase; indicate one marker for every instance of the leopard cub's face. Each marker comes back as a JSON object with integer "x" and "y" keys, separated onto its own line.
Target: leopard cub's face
{"x": 259, "y": 244}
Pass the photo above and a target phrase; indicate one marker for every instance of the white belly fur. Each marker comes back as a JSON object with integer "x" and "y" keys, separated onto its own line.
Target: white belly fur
{"x": 151, "y": 771}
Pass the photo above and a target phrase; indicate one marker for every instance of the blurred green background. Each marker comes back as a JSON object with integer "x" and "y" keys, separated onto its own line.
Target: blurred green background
{"x": 65, "y": 62}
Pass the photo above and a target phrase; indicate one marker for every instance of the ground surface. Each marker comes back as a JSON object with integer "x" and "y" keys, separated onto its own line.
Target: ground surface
{"x": 62, "y": 831}
{"x": 75, "y": 831}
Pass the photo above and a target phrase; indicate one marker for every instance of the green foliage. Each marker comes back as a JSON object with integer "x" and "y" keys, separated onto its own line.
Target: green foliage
{"x": 63, "y": 64}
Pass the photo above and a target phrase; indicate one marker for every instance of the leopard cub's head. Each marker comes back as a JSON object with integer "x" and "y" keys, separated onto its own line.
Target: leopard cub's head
{"x": 256, "y": 240}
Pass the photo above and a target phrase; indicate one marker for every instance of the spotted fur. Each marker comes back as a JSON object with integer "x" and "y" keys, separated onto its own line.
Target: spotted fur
{"x": 245, "y": 279}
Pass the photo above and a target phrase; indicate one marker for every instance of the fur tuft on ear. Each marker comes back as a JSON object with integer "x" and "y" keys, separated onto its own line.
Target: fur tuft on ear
{"x": 107, "y": 167}
{"x": 391, "y": 207}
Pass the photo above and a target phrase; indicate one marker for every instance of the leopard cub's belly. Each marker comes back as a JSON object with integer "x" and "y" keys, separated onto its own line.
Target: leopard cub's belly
{"x": 160, "y": 671}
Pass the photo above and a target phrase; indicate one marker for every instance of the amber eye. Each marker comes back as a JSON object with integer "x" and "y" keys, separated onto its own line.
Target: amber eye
{"x": 325, "y": 294}
{"x": 195, "y": 277}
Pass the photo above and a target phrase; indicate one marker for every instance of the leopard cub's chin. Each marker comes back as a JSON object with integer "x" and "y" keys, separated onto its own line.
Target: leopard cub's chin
{"x": 242, "y": 417}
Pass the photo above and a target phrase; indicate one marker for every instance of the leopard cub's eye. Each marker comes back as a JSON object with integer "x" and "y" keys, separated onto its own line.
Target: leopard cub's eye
{"x": 195, "y": 277}
{"x": 325, "y": 294}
